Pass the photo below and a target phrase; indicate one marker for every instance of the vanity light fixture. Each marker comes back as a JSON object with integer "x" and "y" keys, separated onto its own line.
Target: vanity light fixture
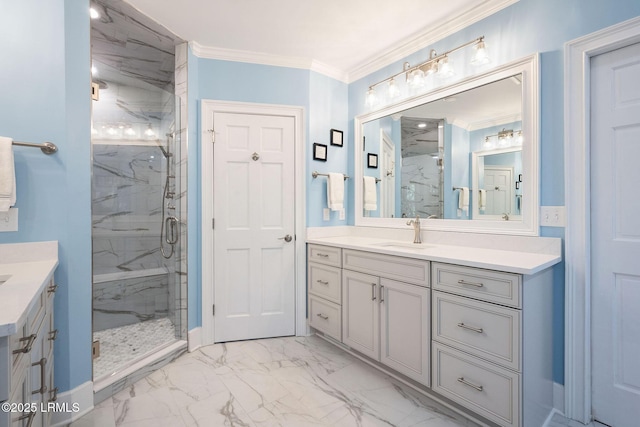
{"x": 415, "y": 75}
{"x": 505, "y": 138}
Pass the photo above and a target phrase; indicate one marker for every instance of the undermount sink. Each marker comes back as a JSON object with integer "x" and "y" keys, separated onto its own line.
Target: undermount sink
{"x": 402, "y": 245}
{"x": 4, "y": 279}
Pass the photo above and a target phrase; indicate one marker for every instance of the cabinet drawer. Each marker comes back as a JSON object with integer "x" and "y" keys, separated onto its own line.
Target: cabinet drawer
{"x": 487, "y": 389}
{"x": 324, "y": 281}
{"x": 408, "y": 270}
{"x": 483, "y": 329}
{"x": 487, "y": 285}
{"x": 326, "y": 317}
{"x": 325, "y": 255}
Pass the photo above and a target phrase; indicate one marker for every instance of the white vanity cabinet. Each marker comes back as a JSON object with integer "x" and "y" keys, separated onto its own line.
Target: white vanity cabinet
{"x": 324, "y": 282}
{"x": 26, "y": 365}
{"x": 386, "y": 311}
{"x": 492, "y": 342}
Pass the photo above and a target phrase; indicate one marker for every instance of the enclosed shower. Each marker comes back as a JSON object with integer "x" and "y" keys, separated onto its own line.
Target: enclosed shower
{"x": 138, "y": 306}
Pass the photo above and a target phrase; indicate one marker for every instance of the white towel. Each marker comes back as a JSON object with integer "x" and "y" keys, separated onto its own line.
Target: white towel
{"x": 7, "y": 175}
{"x": 370, "y": 194}
{"x": 463, "y": 199}
{"x": 482, "y": 199}
{"x": 335, "y": 191}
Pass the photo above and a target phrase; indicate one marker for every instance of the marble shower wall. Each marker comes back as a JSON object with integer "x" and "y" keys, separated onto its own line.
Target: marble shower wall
{"x": 128, "y": 183}
{"x": 420, "y": 188}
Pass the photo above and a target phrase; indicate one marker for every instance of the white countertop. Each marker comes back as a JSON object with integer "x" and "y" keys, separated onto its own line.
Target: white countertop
{"x": 511, "y": 261}
{"x": 27, "y": 266}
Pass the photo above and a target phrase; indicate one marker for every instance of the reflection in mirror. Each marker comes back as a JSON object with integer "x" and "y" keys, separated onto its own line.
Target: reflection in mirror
{"x": 425, "y": 151}
{"x": 425, "y": 147}
{"x": 497, "y": 176}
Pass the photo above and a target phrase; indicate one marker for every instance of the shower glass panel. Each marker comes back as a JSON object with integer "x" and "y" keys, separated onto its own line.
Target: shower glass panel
{"x": 137, "y": 301}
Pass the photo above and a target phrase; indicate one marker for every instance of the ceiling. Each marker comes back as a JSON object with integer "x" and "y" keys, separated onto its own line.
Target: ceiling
{"x": 343, "y": 38}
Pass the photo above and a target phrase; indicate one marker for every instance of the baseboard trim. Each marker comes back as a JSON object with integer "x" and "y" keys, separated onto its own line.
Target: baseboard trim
{"x": 551, "y": 414}
{"x": 194, "y": 337}
{"x": 80, "y": 397}
{"x": 558, "y": 397}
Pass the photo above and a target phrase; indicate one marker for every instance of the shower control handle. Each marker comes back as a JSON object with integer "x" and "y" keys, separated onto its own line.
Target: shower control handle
{"x": 286, "y": 238}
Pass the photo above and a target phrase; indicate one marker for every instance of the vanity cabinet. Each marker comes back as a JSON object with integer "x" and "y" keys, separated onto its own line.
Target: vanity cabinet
{"x": 26, "y": 365}
{"x": 485, "y": 323}
{"x": 324, "y": 283}
{"x": 386, "y": 315}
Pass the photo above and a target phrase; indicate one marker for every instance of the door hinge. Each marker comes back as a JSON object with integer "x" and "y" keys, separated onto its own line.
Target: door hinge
{"x": 213, "y": 135}
{"x": 213, "y": 223}
{"x": 213, "y": 310}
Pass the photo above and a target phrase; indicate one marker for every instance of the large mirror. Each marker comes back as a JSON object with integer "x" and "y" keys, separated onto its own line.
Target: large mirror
{"x": 464, "y": 156}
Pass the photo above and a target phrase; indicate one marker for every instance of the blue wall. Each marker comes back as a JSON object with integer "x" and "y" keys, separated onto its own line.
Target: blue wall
{"x": 46, "y": 97}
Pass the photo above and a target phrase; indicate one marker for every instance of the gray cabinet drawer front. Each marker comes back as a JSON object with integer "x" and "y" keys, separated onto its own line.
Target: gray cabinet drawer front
{"x": 484, "y": 388}
{"x": 486, "y": 330}
{"x": 408, "y": 270}
{"x": 493, "y": 286}
{"x": 324, "y": 281}
{"x": 326, "y": 317}
{"x": 327, "y": 255}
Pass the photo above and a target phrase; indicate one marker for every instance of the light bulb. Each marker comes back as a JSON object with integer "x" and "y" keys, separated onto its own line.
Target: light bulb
{"x": 482, "y": 56}
{"x": 416, "y": 79}
{"x": 445, "y": 70}
{"x": 371, "y": 98}
{"x": 149, "y": 132}
{"x": 394, "y": 90}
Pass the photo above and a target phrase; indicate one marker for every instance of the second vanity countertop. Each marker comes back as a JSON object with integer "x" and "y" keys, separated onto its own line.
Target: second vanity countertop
{"x": 510, "y": 261}
{"x": 24, "y": 270}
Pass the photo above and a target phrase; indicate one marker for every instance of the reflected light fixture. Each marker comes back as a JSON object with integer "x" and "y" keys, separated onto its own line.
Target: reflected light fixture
{"x": 505, "y": 138}
{"x": 415, "y": 75}
{"x": 149, "y": 132}
{"x": 93, "y": 13}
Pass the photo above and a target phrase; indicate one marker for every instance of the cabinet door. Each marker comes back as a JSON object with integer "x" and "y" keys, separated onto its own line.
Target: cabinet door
{"x": 405, "y": 328}
{"x": 360, "y": 313}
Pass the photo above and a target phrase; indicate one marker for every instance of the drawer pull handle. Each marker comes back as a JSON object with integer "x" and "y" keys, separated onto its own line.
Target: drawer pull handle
{"x": 381, "y": 294}
{"x": 53, "y": 335}
{"x": 52, "y": 289}
{"x": 53, "y": 395}
{"x": 471, "y": 328}
{"x": 464, "y": 282}
{"x": 323, "y": 316}
{"x": 323, "y": 255}
{"x": 29, "y": 416}
{"x": 27, "y": 348}
{"x": 373, "y": 291}
{"x": 468, "y": 384}
{"x": 322, "y": 282}
{"x": 43, "y": 374}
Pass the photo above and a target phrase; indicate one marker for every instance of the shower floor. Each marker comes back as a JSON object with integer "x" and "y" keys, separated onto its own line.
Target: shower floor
{"x": 122, "y": 345}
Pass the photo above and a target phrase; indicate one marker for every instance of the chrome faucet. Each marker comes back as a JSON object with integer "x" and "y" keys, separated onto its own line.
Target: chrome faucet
{"x": 416, "y": 229}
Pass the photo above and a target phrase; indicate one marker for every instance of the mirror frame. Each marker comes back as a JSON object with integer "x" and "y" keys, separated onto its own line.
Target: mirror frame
{"x": 528, "y": 67}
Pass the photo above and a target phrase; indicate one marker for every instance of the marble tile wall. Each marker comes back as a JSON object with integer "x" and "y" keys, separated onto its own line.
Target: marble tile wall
{"x": 420, "y": 187}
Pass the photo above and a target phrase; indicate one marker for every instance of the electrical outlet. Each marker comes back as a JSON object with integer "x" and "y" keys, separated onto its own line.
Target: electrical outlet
{"x": 326, "y": 214}
{"x": 552, "y": 216}
{"x": 9, "y": 220}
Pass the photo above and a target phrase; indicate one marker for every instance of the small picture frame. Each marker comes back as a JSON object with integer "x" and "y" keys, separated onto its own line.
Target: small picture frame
{"x": 517, "y": 185}
{"x": 519, "y": 177}
{"x": 319, "y": 152}
{"x": 372, "y": 161}
{"x": 336, "y": 137}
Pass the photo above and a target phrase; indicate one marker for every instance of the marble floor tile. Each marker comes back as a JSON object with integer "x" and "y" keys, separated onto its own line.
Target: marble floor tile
{"x": 292, "y": 381}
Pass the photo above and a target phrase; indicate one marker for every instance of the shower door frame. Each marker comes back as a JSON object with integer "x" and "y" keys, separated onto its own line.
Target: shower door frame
{"x": 207, "y": 108}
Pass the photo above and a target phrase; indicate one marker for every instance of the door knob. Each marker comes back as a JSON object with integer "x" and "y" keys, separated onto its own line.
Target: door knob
{"x": 286, "y": 238}
{"x": 255, "y": 157}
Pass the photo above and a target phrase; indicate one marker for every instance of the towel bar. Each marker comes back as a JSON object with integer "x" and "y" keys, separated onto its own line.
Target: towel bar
{"x": 316, "y": 174}
{"x": 46, "y": 147}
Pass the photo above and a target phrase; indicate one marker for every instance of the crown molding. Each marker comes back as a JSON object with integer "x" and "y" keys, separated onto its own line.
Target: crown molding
{"x": 261, "y": 58}
{"x": 407, "y": 47}
{"x": 388, "y": 56}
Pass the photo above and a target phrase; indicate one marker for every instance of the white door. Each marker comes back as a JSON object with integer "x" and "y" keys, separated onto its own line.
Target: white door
{"x": 254, "y": 251}
{"x": 388, "y": 176}
{"x": 498, "y": 185}
{"x": 615, "y": 236}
